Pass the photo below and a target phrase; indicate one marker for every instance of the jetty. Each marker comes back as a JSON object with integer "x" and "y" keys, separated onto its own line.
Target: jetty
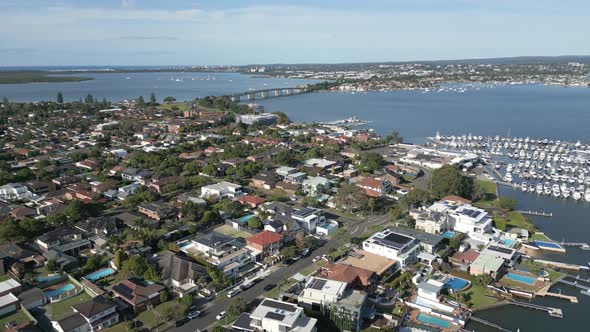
{"x": 488, "y": 323}
{"x": 576, "y": 284}
{"x": 553, "y": 312}
{"x": 545, "y": 292}
{"x": 537, "y": 213}
{"x": 561, "y": 265}
{"x": 581, "y": 245}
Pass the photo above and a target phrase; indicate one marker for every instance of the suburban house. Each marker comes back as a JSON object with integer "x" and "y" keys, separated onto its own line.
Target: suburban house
{"x": 355, "y": 277}
{"x": 373, "y": 187}
{"x": 96, "y": 314}
{"x": 315, "y": 186}
{"x": 67, "y": 240}
{"x": 138, "y": 293}
{"x": 393, "y": 245}
{"x": 265, "y": 243}
{"x": 275, "y": 316}
{"x": 137, "y": 175}
{"x": 251, "y": 200}
{"x": 157, "y": 210}
{"x": 222, "y": 190}
{"x": 223, "y": 252}
{"x": 265, "y": 180}
{"x": 180, "y": 274}
{"x": 309, "y": 218}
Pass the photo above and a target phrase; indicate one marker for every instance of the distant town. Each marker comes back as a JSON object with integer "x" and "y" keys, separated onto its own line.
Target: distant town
{"x": 213, "y": 215}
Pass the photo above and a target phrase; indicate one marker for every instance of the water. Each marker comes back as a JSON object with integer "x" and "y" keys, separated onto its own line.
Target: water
{"x": 56, "y": 292}
{"x": 116, "y": 86}
{"x": 527, "y": 110}
{"x": 521, "y": 278}
{"x": 427, "y": 319}
{"x": 100, "y": 274}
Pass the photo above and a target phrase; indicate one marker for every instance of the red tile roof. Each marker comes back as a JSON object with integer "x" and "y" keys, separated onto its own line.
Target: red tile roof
{"x": 347, "y": 273}
{"x": 265, "y": 238}
{"x": 454, "y": 198}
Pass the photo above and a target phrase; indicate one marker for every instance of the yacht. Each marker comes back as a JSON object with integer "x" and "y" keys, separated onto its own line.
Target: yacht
{"x": 508, "y": 177}
{"x": 539, "y": 188}
{"x": 587, "y": 195}
{"x": 547, "y": 191}
{"x": 577, "y": 195}
{"x": 565, "y": 194}
{"x": 524, "y": 186}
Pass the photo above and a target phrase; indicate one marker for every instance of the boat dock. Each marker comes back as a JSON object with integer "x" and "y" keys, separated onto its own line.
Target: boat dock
{"x": 561, "y": 265}
{"x": 553, "y": 312}
{"x": 545, "y": 292}
{"x": 581, "y": 245}
{"x": 575, "y": 284}
{"x": 537, "y": 213}
{"x": 488, "y": 323}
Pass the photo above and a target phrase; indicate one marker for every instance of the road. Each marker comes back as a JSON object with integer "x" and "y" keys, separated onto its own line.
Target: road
{"x": 207, "y": 319}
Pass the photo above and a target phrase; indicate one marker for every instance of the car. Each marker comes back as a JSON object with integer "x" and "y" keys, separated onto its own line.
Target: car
{"x": 233, "y": 292}
{"x": 305, "y": 252}
{"x": 247, "y": 286}
{"x": 181, "y": 322}
{"x": 193, "y": 314}
{"x": 220, "y": 316}
{"x": 316, "y": 258}
{"x": 269, "y": 287}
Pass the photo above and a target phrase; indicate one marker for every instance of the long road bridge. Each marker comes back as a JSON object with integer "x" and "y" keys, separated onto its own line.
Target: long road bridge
{"x": 267, "y": 93}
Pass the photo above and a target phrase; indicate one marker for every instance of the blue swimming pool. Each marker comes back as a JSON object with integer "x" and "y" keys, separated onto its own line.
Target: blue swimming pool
{"x": 59, "y": 291}
{"x": 100, "y": 274}
{"x": 456, "y": 284}
{"x": 508, "y": 242}
{"x": 448, "y": 234}
{"x": 427, "y": 319}
{"x": 547, "y": 244}
{"x": 245, "y": 218}
{"x": 46, "y": 278}
{"x": 521, "y": 278}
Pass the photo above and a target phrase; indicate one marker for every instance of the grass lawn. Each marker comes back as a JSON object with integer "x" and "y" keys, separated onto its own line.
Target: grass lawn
{"x": 273, "y": 293}
{"x": 489, "y": 187}
{"x": 231, "y": 232}
{"x": 541, "y": 237}
{"x": 180, "y": 106}
{"x": 163, "y": 312}
{"x": 476, "y": 294}
{"x": 5, "y": 277}
{"x": 18, "y": 316}
{"x": 120, "y": 327}
{"x": 114, "y": 279}
{"x": 62, "y": 309}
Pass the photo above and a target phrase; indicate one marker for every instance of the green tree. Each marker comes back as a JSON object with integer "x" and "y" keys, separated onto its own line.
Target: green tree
{"x": 120, "y": 257}
{"x": 60, "y": 98}
{"x": 236, "y": 306}
{"x": 255, "y": 223}
{"x": 89, "y": 99}
{"x": 169, "y": 99}
{"x": 136, "y": 265}
{"x": 153, "y": 99}
{"x": 289, "y": 252}
{"x": 447, "y": 180}
{"x": 350, "y": 198}
{"x": 52, "y": 265}
{"x": 140, "y": 101}
{"x": 395, "y": 213}
{"x": 164, "y": 296}
{"x": 507, "y": 203}
{"x": 394, "y": 138}
{"x": 282, "y": 118}
{"x": 209, "y": 218}
{"x": 370, "y": 162}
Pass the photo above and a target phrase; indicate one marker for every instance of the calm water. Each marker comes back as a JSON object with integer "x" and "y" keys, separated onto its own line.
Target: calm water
{"x": 536, "y": 111}
{"x": 121, "y": 86}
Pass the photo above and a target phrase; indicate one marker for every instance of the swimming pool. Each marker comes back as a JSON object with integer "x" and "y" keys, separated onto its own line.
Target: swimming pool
{"x": 448, "y": 234}
{"x": 56, "y": 292}
{"x": 427, "y": 319}
{"x": 456, "y": 284}
{"x": 508, "y": 242}
{"x": 100, "y": 274}
{"x": 547, "y": 244}
{"x": 245, "y": 218}
{"x": 521, "y": 278}
{"x": 40, "y": 280}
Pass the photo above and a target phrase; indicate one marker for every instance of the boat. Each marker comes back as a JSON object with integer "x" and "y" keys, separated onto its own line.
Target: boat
{"x": 587, "y": 195}
{"x": 577, "y": 195}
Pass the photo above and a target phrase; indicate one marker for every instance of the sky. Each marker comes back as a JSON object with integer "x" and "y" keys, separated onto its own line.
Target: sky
{"x": 219, "y": 32}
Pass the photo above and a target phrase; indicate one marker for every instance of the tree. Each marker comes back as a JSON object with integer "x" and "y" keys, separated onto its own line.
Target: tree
{"x": 169, "y": 99}
{"x": 300, "y": 239}
{"x": 255, "y": 223}
{"x": 343, "y": 235}
{"x": 120, "y": 257}
{"x": 395, "y": 213}
{"x": 153, "y": 99}
{"x": 507, "y": 203}
{"x": 52, "y": 265}
{"x": 371, "y": 204}
{"x": 89, "y": 99}
{"x": 236, "y": 306}
{"x": 370, "y": 162}
{"x": 447, "y": 180}
{"x": 484, "y": 279}
{"x": 164, "y": 297}
{"x": 282, "y": 118}
{"x": 350, "y": 197}
{"x": 136, "y": 265}
{"x": 394, "y": 138}
{"x": 289, "y": 252}
{"x": 209, "y": 218}
{"x": 140, "y": 101}
{"x": 60, "y": 98}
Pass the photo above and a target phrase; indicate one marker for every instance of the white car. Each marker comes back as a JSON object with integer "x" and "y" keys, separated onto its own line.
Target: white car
{"x": 193, "y": 314}
{"x": 220, "y": 316}
{"x": 233, "y": 292}
{"x": 316, "y": 258}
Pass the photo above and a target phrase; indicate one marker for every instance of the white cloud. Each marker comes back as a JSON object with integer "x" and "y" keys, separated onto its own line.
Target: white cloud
{"x": 128, "y": 4}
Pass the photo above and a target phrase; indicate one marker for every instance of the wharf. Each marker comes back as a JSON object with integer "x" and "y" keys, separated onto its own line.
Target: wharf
{"x": 561, "y": 265}
{"x": 582, "y": 245}
{"x": 537, "y": 213}
{"x": 575, "y": 284}
{"x": 488, "y": 323}
{"x": 545, "y": 292}
{"x": 553, "y": 312}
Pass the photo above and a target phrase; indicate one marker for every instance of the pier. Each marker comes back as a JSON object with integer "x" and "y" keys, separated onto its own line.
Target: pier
{"x": 537, "y": 213}
{"x": 576, "y": 284}
{"x": 545, "y": 292}
{"x": 553, "y": 312}
{"x": 581, "y": 245}
{"x": 562, "y": 265}
{"x": 488, "y": 323}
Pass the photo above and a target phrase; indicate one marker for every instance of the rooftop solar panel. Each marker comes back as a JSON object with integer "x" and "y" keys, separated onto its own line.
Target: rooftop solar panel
{"x": 275, "y": 316}
{"x": 278, "y": 305}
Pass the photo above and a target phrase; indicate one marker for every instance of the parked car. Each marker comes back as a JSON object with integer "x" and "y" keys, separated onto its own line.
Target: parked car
{"x": 220, "y": 316}
{"x": 193, "y": 314}
{"x": 181, "y": 322}
{"x": 233, "y": 292}
{"x": 247, "y": 286}
{"x": 269, "y": 287}
{"x": 316, "y": 258}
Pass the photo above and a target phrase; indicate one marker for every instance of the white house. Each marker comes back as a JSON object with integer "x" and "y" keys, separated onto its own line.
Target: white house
{"x": 395, "y": 246}
{"x": 16, "y": 192}
{"x": 309, "y": 218}
{"x": 278, "y": 316}
{"x": 221, "y": 190}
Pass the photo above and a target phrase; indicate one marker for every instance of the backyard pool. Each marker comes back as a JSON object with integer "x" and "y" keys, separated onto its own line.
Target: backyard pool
{"x": 427, "y": 319}
{"x": 100, "y": 274}
{"x": 508, "y": 242}
{"x": 546, "y": 244}
{"x": 521, "y": 278}
{"x": 456, "y": 284}
{"x": 58, "y": 291}
{"x": 448, "y": 234}
{"x": 40, "y": 280}
{"x": 245, "y": 218}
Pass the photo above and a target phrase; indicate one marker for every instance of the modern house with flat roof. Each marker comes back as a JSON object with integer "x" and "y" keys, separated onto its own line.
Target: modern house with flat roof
{"x": 276, "y": 316}
{"x": 394, "y": 245}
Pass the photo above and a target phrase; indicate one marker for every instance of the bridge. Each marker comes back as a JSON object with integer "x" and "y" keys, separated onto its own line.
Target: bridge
{"x": 267, "y": 93}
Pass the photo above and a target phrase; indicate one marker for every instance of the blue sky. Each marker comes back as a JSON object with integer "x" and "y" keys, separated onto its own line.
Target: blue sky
{"x": 185, "y": 32}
